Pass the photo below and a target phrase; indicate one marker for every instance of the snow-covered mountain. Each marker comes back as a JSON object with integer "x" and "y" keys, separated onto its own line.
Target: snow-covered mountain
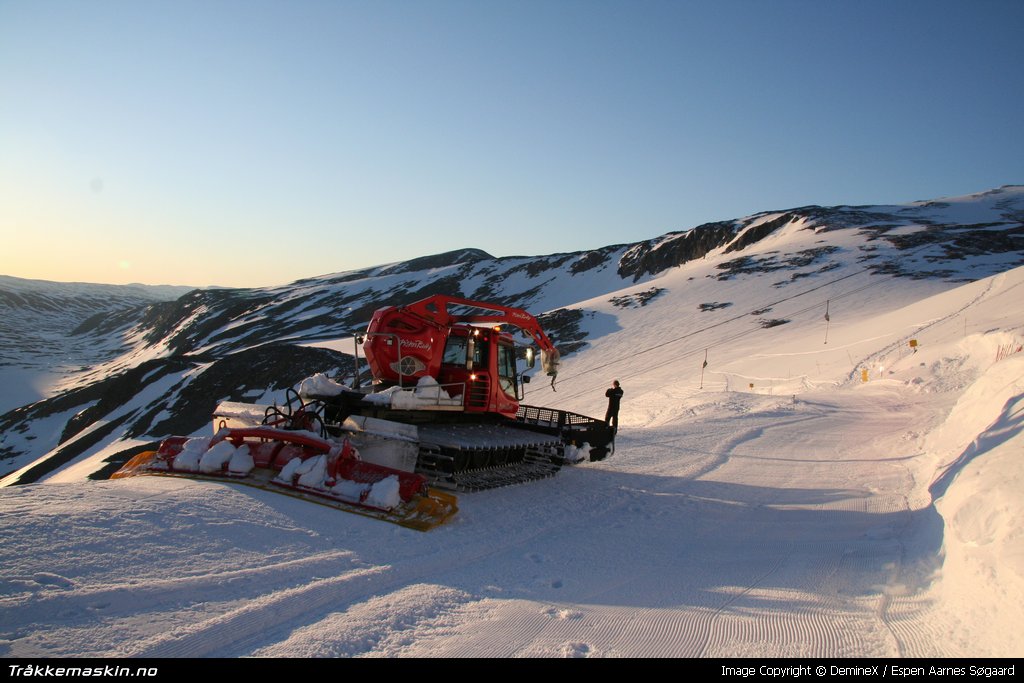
{"x": 820, "y": 487}
{"x": 160, "y": 368}
{"x": 52, "y": 329}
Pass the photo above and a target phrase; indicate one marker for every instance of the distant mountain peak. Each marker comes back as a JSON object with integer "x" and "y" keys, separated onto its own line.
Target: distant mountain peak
{"x": 448, "y": 258}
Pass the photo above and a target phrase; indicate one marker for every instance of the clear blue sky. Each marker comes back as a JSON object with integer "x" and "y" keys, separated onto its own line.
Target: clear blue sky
{"x": 254, "y": 143}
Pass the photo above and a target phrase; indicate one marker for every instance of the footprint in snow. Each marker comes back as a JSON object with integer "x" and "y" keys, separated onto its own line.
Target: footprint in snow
{"x": 575, "y": 650}
{"x": 561, "y": 614}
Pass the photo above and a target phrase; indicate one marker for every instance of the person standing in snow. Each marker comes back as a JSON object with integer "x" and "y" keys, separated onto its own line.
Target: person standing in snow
{"x": 611, "y": 416}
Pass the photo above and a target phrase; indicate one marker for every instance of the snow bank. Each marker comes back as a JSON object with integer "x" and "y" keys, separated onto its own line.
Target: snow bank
{"x": 979, "y": 497}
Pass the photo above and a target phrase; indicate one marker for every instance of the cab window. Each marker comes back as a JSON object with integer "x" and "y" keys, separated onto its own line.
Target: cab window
{"x": 455, "y": 351}
{"x": 507, "y": 369}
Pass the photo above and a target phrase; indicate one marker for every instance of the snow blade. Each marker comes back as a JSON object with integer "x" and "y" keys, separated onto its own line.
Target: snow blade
{"x": 301, "y": 465}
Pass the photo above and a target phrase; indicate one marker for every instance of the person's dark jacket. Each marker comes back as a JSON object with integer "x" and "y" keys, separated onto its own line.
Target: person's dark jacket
{"x": 614, "y": 395}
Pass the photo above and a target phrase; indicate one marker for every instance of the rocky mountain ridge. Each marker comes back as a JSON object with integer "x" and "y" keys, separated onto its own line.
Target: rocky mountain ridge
{"x": 161, "y": 366}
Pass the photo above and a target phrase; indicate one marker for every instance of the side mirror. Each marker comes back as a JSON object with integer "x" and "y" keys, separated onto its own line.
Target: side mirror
{"x": 526, "y": 379}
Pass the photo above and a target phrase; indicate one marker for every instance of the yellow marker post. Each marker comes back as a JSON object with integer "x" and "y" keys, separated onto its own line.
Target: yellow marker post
{"x": 864, "y": 375}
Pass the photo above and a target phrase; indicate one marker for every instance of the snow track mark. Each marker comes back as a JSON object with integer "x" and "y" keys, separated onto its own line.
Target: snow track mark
{"x": 250, "y": 623}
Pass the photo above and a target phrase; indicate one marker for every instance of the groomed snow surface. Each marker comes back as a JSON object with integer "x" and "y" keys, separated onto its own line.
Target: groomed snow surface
{"x": 811, "y": 514}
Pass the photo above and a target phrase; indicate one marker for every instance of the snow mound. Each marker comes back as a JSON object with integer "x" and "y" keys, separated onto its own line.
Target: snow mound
{"x": 979, "y": 497}
{"x": 312, "y": 472}
{"x": 320, "y": 385}
{"x": 577, "y": 454}
{"x": 188, "y": 460}
{"x": 214, "y": 459}
{"x": 427, "y": 394}
{"x": 351, "y": 491}
{"x": 385, "y": 493}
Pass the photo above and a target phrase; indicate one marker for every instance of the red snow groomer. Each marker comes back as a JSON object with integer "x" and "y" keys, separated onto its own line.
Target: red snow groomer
{"x": 467, "y": 353}
{"x": 443, "y": 411}
{"x": 445, "y": 376}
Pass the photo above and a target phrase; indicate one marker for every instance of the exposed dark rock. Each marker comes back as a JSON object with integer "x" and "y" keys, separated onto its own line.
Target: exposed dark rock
{"x": 448, "y": 258}
{"x": 450, "y": 285}
{"x": 978, "y": 242}
{"x": 522, "y": 299}
{"x": 338, "y": 279}
{"x": 487, "y": 291}
{"x": 535, "y": 267}
{"x": 798, "y": 276}
{"x": 757, "y": 234}
{"x": 775, "y": 322}
{"x": 714, "y": 306}
{"x": 220, "y": 306}
{"x": 674, "y": 249}
{"x": 828, "y": 218}
{"x": 563, "y": 329}
{"x": 109, "y": 322}
{"x": 117, "y": 460}
{"x": 276, "y": 366}
{"x": 896, "y": 269}
{"x": 119, "y": 389}
{"x": 637, "y": 300}
{"x": 593, "y": 259}
{"x": 770, "y": 261}
{"x": 188, "y": 402}
{"x": 954, "y": 243}
{"x": 64, "y": 455}
{"x": 111, "y": 392}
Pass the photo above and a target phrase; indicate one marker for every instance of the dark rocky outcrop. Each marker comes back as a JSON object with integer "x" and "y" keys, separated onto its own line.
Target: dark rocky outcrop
{"x": 637, "y": 300}
{"x": 448, "y": 258}
{"x": 654, "y": 256}
{"x": 593, "y": 259}
{"x": 758, "y": 233}
{"x": 563, "y": 329}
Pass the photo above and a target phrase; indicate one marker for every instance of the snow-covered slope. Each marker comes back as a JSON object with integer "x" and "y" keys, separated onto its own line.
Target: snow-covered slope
{"x": 43, "y": 326}
{"x": 770, "y": 503}
{"x": 176, "y": 359}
